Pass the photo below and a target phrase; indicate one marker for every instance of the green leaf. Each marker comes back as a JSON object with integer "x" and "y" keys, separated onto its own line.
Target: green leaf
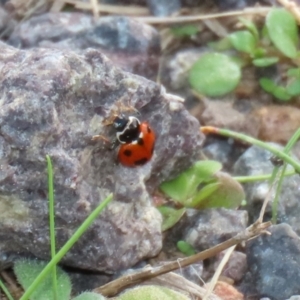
{"x": 293, "y": 88}
{"x": 283, "y": 31}
{"x": 205, "y": 169}
{"x": 178, "y": 189}
{"x": 265, "y": 62}
{"x": 185, "y": 185}
{"x": 259, "y": 52}
{"x": 267, "y": 84}
{"x": 243, "y": 41}
{"x": 250, "y": 26}
{"x": 265, "y": 39}
{"x": 229, "y": 193}
{"x": 281, "y": 93}
{"x": 170, "y": 216}
{"x": 185, "y": 30}
{"x": 203, "y": 194}
{"x": 209, "y": 75}
{"x": 293, "y": 72}
{"x": 185, "y": 248}
{"x": 151, "y": 292}
{"x": 26, "y": 272}
{"x": 221, "y": 45}
{"x": 89, "y": 296}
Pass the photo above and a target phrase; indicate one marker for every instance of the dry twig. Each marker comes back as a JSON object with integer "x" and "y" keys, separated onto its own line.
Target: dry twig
{"x": 57, "y": 6}
{"x": 95, "y": 9}
{"x": 196, "y": 18}
{"x": 12, "y": 285}
{"x": 267, "y": 199}
{"x": 292, "y": 7}
{"x": 177, "y": 282}
{"x": 116, "y": 286}
{"x": 218, "y": 272}
{"x": 111, "y": 9}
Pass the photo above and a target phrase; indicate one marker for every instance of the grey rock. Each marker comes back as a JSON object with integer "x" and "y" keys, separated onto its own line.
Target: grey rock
{"x": 192, "y": 272}
{"x": 7, "y": 23}
{"x": 52, "y": 102}
{"x": 233, "y": 4}
{"x": 131, "y": 45}
{"x": 209, "y": 227}
{"x": 86, "y": 281}
{"x": 223, "y": 150}
{"x": 256, "y": 161}
{"x": 175, "y": 68}
{"x": 274, "y": 262}
{"x": 51, "y": 27}
{"x": 224, "y": 114}
{"x": 163, "y": 7}
{"x": 236, "y": 266}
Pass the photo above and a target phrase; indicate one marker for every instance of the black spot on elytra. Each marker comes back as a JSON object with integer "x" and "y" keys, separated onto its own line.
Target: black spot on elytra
{"x": 140, "y": 142}
{"x": 141, "y": 161}
{"x": 127, "y": 152}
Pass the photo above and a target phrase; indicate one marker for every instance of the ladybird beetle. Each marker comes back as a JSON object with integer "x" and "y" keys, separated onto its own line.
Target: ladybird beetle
{"x": 137, "y": 140}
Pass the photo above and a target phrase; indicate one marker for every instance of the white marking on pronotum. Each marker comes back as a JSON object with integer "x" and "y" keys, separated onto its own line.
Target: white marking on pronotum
{"x": 137, "y": 141}
{"x": 131, "y": 120}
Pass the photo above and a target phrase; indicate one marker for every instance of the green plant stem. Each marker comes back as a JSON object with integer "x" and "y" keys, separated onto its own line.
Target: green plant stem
{"x": 6, "y": 291}
{"x": 254, "y": 178}
{"x": 277, "y": 193}
{"x": 52, "y": 223}
{"x": 84, "y": 226}
{"x": 284, "y": 155}
{"x": 286, "y": 150}
{"x": 279, "y": 153}
{"x": 292, "y": 141}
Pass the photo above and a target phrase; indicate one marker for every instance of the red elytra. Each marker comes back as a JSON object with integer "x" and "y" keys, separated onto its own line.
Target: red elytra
{"x": 132, "y": 155}
{"x": 137, "y": 141}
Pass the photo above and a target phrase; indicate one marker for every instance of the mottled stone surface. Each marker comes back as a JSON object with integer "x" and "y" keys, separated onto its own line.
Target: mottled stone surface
{"x": 236, "y": 266}
{"x": 86, "y": 281}
{"x": 7, "y": 24}
{"x": 164, "y": 7}
{"x": 234, "y": 4}
{"x": 257, "y": 161}
{"x": 175, "y": 67}
{"x": 223, "y": 114}
{"x": 224, "y": 150}
{"x": 51, "y": 27}
{"x": 274, "y": 262}
{"x": 206, "y": 228}
{"x": 277, "y": 123}
{"x": 53, "y": 102}
{"x": 131, "y": 45}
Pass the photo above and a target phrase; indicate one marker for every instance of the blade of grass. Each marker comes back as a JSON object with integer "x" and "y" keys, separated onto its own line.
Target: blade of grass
{"x": 200, "y": 17}
{"x": 292, "y": 141}
{"x": 279, "y": 153}
{"x": 52, "y": 223}
{"x": 284, "y": 155}
{"x": 286, "y": 150}
{"x": 254, "y": 178}
{"x": 277, "y": 193}
{"x": 84, "y": 226}
{"x": 6, "y": 291}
